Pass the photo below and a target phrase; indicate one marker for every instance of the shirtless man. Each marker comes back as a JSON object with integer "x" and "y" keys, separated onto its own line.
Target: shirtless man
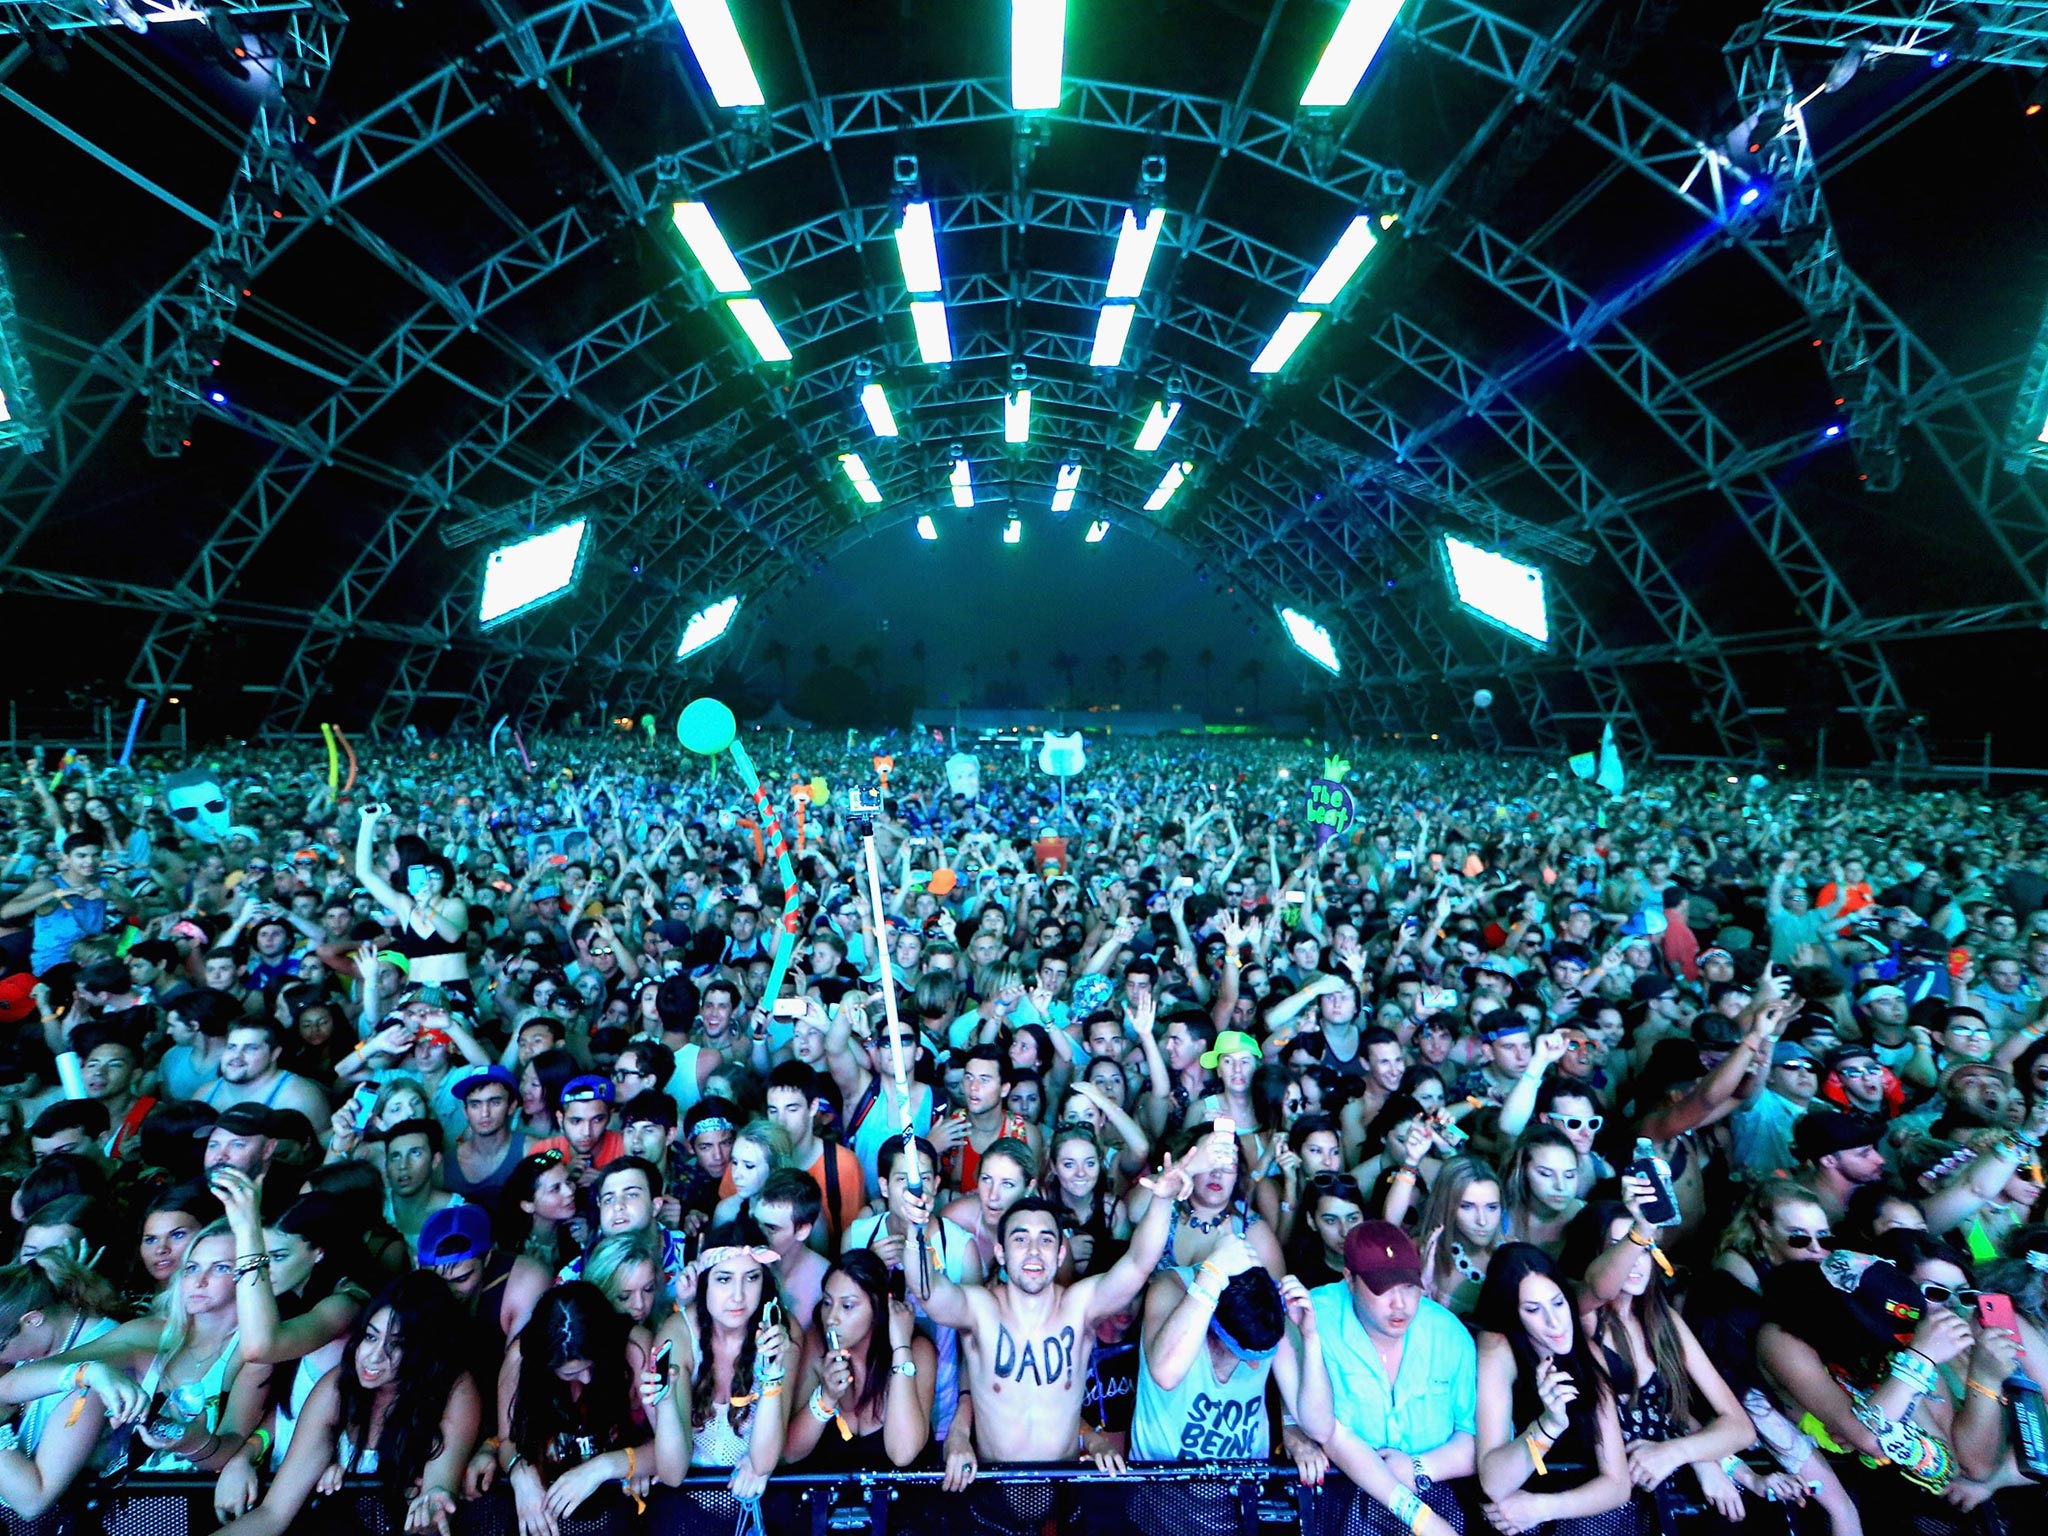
{"x": 1028, "y": 1338}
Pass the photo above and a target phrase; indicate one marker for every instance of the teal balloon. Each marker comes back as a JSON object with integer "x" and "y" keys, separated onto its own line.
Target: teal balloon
{"x": 706, "y": 727}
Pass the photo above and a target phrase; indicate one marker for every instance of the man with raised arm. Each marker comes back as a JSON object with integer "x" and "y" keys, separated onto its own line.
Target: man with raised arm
{"x": 1027, "y": 1339}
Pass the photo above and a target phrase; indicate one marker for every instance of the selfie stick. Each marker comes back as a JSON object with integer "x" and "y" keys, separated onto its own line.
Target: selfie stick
{"x": 889, "y": 1007}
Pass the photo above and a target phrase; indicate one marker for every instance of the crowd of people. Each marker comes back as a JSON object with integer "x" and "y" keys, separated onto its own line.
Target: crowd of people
{"x": 1504, "y": 1154}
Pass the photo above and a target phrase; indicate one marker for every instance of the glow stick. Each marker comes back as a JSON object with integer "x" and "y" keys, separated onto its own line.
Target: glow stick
{"x": 520, "y": 742}
{"x": 333, "y": 760}
{"x": 889, "y": 1009}
{"x": 134, "y": 725}
{"x": 497, "y": 731}
{"x": 348, "y": 783}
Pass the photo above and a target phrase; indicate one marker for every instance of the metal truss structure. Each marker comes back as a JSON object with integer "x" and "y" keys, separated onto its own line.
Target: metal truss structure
{"x": 720, "y": 476}
{"x": 2013, "y": 33}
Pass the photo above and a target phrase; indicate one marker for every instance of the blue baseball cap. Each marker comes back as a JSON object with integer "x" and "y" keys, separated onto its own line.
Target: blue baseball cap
{"x": 465, "y": 1086}
{"x": 580, "y": 1090}
{"x": 450, "y": 1236}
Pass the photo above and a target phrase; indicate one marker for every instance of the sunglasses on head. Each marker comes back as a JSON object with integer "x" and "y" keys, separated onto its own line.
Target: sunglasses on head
{"x": 1578, "y": 1123}
{"x": 1800, "y": 1241}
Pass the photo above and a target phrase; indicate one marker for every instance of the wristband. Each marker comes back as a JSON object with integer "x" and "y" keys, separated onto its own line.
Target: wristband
{"x": 261, "y": 1440}
{"x": 1404, "y": 1176}
{"x": 1407, "y": 1508}
{"x": 817, "y": 1408}
{"x": 1972, "y": 1384}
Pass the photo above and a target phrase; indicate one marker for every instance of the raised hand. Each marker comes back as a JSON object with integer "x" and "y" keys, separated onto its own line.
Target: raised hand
{"x": 1558, "y": 1392}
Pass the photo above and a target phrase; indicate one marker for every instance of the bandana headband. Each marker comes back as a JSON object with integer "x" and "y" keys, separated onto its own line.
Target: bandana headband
{"x": 1248, "y": 1355}
{"x": 711, "y": 1258}
{"x": 712, "y": 1123}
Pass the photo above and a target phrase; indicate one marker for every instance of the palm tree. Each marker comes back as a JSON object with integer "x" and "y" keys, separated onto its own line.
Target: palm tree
{"x": 1114, "y": 666}
{"x": 1206, "y": 660}
{"x": 1251, "y": 672}
{"x": 776, "y": 654}
{"x": 1156, "y": 661}
{"x": 1066, "y": 663}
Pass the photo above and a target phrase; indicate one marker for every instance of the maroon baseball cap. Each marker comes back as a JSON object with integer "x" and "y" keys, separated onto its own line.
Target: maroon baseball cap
{"x": 1383, "y": 1256}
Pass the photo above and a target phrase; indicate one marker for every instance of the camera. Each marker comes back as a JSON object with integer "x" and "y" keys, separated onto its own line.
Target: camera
{"x": 864, "y": 800}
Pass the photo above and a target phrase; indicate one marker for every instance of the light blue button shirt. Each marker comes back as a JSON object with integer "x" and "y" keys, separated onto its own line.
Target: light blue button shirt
{"x": 1435, "y": 1394}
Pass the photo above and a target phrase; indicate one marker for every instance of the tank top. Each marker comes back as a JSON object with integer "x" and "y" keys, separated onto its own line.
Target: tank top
{"x": 198, "y": 1402}
{"x": 25, "y": 1434}
{"x": 414, "y": 945}
{"x": 1202, "y": 1419}
{"x": 716, "y": 1443}
{"x": 269, "y": 1099}
{"x": 363, "y": 1464}
{"x": 304, "y": 1379}
{"x": 57, "y": 930}
{"x": 878, "y": 1126}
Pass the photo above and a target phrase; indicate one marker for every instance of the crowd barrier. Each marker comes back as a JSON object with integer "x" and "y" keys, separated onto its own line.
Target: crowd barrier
{"x": 1242, "y": 1498}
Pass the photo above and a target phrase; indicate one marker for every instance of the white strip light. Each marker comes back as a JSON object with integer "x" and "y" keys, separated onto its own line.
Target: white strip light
{"x": 857, "y": 471}
{"x": 1063, "y": 492}
{"x": 720, "y": 54}
{"x": 700, "y": 232}
{"x": 927, "y": 529}
{"x": 917, "y": 248}
{"x": 962, "y": 480}
{"x": 1345, "y": 258}
{"x": 1292, "y": 333}
{"x": 1134, "y": 253}
{"x": 1153, "y": 433}
{"x": 1349, "y": 253}
{"x": 1168, "y": 484}
{"x": 1112, "y": 330}
{"x": 1097, "y": 532}
{"x": 1353, "y": 46}
{"x": 1038, "y": 48}
{"x": 876, "y": 404}
{"x": 1013, "y": 532}
{"x": 934, "y": 335}
{"x": 1017, "y": 417}
{"x": 753, "y": 319}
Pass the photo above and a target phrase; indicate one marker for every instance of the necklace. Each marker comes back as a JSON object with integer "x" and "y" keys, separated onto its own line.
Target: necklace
{"x": 1466, "y": 1267}
{"x": 1196, "y": 1224}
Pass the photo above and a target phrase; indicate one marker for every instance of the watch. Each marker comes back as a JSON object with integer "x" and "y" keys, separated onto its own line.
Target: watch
{"x": 904, "y": 1368}
{"x": 1423, "y": 1481}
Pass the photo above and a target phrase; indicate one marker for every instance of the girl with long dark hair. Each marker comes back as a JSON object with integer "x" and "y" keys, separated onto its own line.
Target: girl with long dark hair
{"x": 731, "y": 1355}
{"x": 866, "y": 1376}
{"x": 578, "y": 1408}
{"x": 1677, "y": 1412}
{"x": 537, "y": 1210}
{"x": 1550, "y": 1450}
{"x": 398, "y": 1406}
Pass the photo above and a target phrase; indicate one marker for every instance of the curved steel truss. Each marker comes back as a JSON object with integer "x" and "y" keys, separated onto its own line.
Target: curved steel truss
{"x": 719, "y": 477}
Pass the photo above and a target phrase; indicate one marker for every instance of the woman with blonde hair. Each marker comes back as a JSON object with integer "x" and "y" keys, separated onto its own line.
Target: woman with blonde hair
{"x": 759, "y": 1148}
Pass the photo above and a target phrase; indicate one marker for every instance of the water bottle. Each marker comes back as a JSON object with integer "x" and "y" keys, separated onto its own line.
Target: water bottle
{"x": 1661, "y": 1210}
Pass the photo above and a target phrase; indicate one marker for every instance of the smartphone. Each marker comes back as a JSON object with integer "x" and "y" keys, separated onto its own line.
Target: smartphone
{"x": 897, "y": 1291}
{"x": 662, "y": 1356}
{"x": 1453, "y": 1134}
{"x": 1994, "y": 1310}
{"x": 1225, "y": 1126}
{"x": 788, "y": 1008}
{"x": 832, "y": 1340}
{"x": 362, "y": 1100}
{"x": 771, "y": 1313}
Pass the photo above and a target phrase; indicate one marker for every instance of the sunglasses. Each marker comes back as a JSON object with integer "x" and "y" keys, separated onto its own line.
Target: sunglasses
{"x": 1800, "y": 1241}
{"x": 1942, "y": 1295}
{"x": 1576, "y": 1123}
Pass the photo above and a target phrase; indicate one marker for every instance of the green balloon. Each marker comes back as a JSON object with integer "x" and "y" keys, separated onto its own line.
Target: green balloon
{"x": 706, "y": 727}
